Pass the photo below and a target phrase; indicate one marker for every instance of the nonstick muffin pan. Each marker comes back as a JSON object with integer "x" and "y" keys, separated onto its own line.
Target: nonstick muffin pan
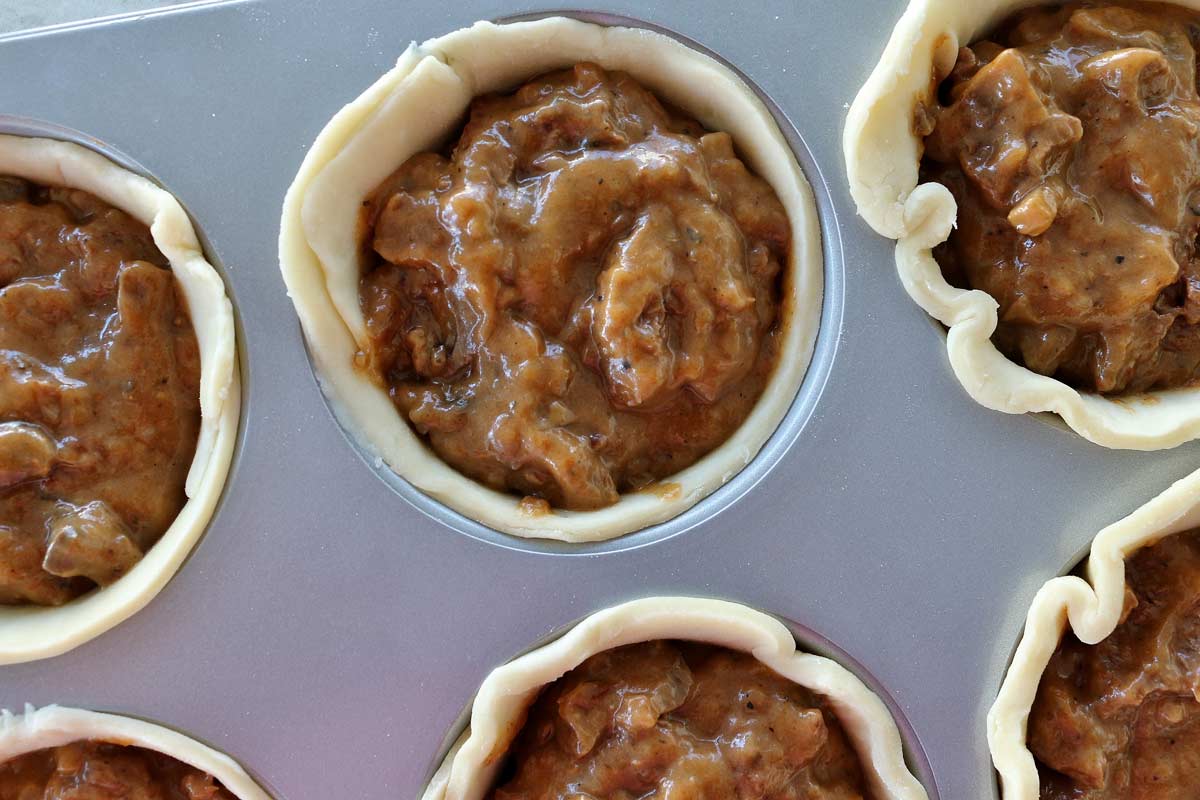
{"x": 331, "y": 627}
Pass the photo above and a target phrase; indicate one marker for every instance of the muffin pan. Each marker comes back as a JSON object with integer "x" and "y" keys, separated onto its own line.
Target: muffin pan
{"x": 329, "y": 630}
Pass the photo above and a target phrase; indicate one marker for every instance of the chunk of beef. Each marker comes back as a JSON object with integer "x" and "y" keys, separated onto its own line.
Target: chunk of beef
{"x": 90, "y": 541}
{"x": 26, "y": 452}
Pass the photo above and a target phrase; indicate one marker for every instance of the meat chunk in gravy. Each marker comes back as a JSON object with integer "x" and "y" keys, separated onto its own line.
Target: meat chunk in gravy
{"x": 679, "y": 720}
{"x": 94, "y": 770}
{"x": 99, "y": 393}
{"x": 1071, "y": 142}
{"x": 1121, "y": 719}
{"x": 583, "y": 298}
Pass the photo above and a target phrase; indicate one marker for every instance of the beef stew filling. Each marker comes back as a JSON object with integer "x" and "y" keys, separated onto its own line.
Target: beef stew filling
{"x": 94, "y": 770}
{"x": 678, "y": 720}
{"x": 1121, "y": 719}
{"x": 1071, "y": 141}
{"x": 582, "y": 298}
{"x": 99, "y": 393}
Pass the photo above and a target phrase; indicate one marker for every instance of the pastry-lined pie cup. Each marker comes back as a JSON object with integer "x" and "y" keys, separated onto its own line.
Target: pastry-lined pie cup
{"x": 1092, "y": 607}
{"x": 883, "y": 157}
{"x": 32, "y": 632}
{"x": 53, "y": 726}
{"x": 415, "y": 107}
{"x": 498, "y": 711}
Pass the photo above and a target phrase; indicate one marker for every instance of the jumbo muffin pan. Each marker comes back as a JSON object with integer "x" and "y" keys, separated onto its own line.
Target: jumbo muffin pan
{"x": 331, "y": 627}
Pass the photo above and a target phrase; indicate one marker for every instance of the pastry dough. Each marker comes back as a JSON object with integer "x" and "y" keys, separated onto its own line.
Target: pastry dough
{"x": 1093, "y": 608}
{"x": 883, "y": 157}
{"x": 52, "y": 726}
{"x": 497, "y": 714}
{"x": 32, "y": 632}
{"x": 418, "y": 105}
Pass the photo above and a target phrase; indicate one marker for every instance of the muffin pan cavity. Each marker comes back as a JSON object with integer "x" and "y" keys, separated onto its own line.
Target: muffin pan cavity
{"x": 1090, "y": 606}
{"x": 38, "y": 729}
{"x": 472, "y": 764}
{"x": 883, "y": 152}
{"x": 389, "y": 122}
{"x": 54, "y": 155}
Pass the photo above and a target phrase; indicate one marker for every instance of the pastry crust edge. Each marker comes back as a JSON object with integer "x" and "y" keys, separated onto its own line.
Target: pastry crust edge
{"x": 434, "y": 83}
{"x": 29, "y": 633}
{"x": 52, "y": 726}
{"x": 882, "y": 161}
{"x": 497, "y": 712}
{"x": 1092, "y": 607}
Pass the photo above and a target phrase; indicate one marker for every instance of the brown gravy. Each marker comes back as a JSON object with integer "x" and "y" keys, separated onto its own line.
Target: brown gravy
{"x": 1069, "y": 140}
{"x": 92, "y": 770}
{"x": 679, "y": 720}
{"x": 1120, "y": 720}
{"x": 99, "y": 393}
{"x": 583, "y": 298}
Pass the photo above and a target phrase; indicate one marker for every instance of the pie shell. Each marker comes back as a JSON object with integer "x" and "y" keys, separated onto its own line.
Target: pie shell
{"x": 52, "y": 726}
{"x": 417, "y": 106}
{"x": 498, "y": 711}
{"x": 1093, "y": 609}
{"x": 883, "y": 156}
{"x": 32, "y": 632}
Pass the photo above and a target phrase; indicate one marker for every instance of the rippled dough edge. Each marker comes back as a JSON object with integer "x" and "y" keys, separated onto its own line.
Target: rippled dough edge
{"x": 32, "y": 632}
{"x": 1093, "y": 609}
{"x": 883, "y": 157}
{"x": 413, "y": 108}
{"x": 52, "y": 726}
{"x": 469, "y": 769}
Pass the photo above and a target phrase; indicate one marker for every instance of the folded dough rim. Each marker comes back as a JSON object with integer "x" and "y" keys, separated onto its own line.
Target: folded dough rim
{"x": 431, "y": 85}
{"x": 28, "y": 633}
{"x": 52, "y": 726}
{"x": 498, "y": 709}
{"x": 882, "y": 161}
{"x": 1093, "y": 608}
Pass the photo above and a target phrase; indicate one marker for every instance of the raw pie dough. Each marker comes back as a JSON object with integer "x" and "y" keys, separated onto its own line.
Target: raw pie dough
{"x": 416, "y": 107}
{"x": 883, "y": 157}
{"x": 33, "y": 632}
{"x": 1093, "y": 609}
{"x": 52, "y": 726}
{"x": 497, "y": 713}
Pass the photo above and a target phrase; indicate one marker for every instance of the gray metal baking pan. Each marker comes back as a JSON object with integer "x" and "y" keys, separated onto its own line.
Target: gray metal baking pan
{"x": 328, "y": 632}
